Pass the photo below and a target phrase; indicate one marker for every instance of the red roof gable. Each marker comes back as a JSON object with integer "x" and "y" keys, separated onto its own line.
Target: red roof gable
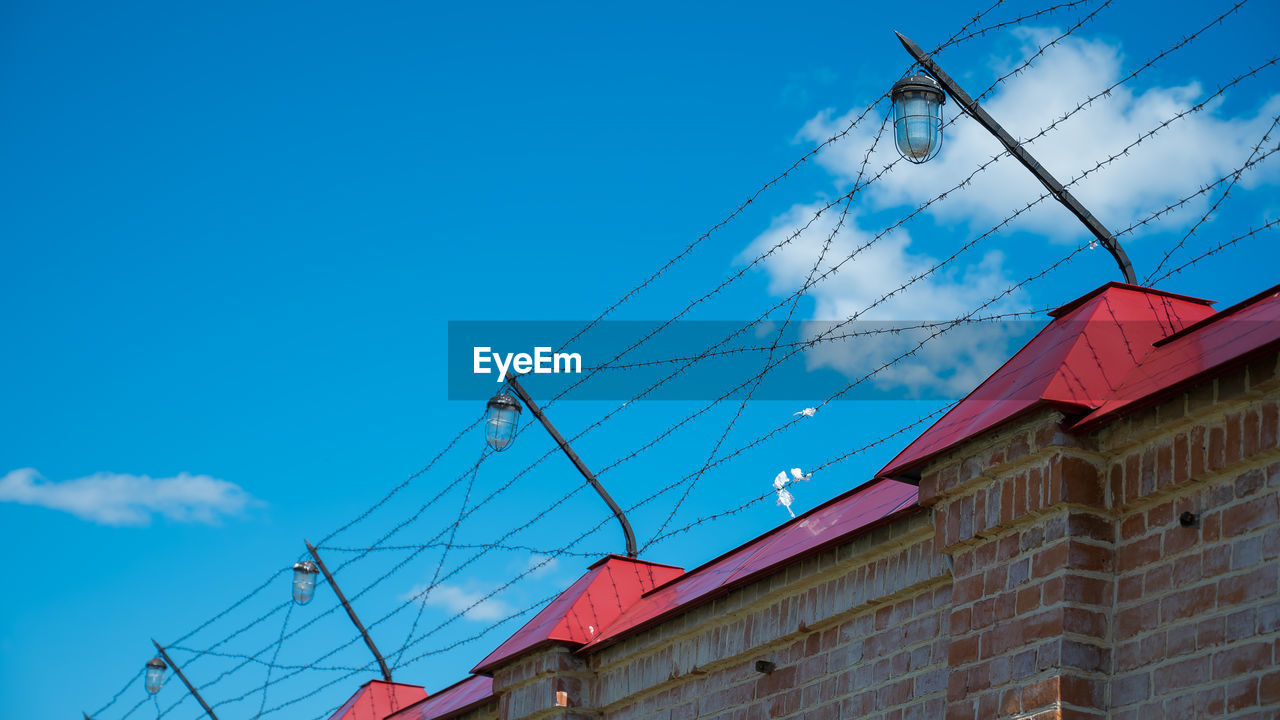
{"x": 583, "y": 611}
{"x": 453, "y": 700}
{"x": 831, "y": 523}
{"x": 1230, "y": 337}
{"x": 377, "y": 699}
{"x": 1075, "y": 363}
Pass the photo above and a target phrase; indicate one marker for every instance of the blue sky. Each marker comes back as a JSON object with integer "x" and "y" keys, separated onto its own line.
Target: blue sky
{"x": 233, "y": 238}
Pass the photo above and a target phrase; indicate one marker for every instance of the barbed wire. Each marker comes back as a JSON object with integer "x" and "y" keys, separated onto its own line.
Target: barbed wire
{"x": 772, "y": 493}
{"x": 459, "y": 546}
{"x": 1020, "y": 20}
{"x": 453, "y": 533}
{"x": 775, "y": 346}
{"x": 895, "y": 329}
{"x": 1098, "y": 166}
{"x": 737, "y": 211}
{"x": 1067, "y": 258}
{"x": 1180, "y": 44}
{"x": 761, "y": 257}
{"x": 1159, "y": 214}
{"x": 394, "y": 491}
{"x": 773, "y": 181}
{"x": 1216, "y": 249}
{"x": 119, "y": 693}
{"x": 1251, "y": 162}
{"x": 795, "y": 303}
{"x": 1225, "y": 192}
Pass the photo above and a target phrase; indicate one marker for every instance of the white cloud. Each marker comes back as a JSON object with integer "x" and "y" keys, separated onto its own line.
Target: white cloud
{"x": 878, "y": 271}
{"x": 472, "y": 604}
{"x": 1190, "y": 152}
{"x": 121, "y": 499}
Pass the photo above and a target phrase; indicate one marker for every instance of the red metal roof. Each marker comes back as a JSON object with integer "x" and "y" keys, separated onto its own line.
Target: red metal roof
{"x": 1075, "y": 364}
{"x": 1230, "y": 337}
{"x": 831, "y": 523}
{"x": 583, "y": 611}
{"x": 453, "y": 700}
{"x": 377, "y": 699}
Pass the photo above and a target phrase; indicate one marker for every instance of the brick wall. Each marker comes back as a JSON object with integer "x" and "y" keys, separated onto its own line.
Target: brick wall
{"x": 1047, "y": 576}
{"x": 1196, "y": 628}
{"x": 854, "y": 632}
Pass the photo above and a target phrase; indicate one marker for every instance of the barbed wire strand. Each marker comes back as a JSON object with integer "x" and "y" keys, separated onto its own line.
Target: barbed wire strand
{"x": 393, "y": 491}
{"x": 1221, "y": 197}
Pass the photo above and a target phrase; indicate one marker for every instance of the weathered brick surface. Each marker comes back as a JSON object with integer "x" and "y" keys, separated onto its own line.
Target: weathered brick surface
{"x": 855, "y": 632}
{"x": 1051, "y": 576}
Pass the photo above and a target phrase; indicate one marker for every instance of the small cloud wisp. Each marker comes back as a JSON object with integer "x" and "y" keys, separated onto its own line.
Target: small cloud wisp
{"x": 121, "y": 499}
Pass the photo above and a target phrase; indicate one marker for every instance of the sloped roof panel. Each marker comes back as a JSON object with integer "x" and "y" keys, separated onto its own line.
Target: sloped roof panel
{"x": 456, "y": 699}
{"x": 1233, "y": 335}
{"x": 1075, "y": 363}
{"x": 830, "y": 524}
{"x": 583, "y": 611}
{"x": 377, "y": 699}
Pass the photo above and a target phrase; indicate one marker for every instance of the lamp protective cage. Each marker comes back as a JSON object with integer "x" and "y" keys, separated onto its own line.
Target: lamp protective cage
{"x": 304, "y": 581}
{"x": 917, "y": 117}
{"x": 500, "y": 424}
{"x": 153, "y": 679}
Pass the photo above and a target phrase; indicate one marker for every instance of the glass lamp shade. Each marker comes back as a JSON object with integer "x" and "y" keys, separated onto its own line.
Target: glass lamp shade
{"x": 917, "y": 117}
{"x": 154, "y": 676}
{"x": 304, "y": 581}
{"x": 500, "y": 424}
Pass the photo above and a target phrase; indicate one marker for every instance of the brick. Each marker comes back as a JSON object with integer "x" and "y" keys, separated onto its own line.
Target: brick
{"x": 1049, "y": 561}
{"x": 1188, "y": 603}
{"x": 1249, "y": 515}
{"x": 1134, "y": 620}
{"x": 1084, "y": 556}
{"x": 1138, "y": 554}
{"x": 1269, "y": 688}
{"x": 1040, "y": 694}
{"x": 1250, "y": 435}
{"x": 1233, "y": 438}
{"x": 1081, "y": 482}
{"x": 1217, "y": 455}
{"x": 1179, "y": 675}
{"x": 1257, "y": 583}
{"x": 1270, "y": 430}
{"x": 1130, "y": 689}
{"x": 1242, "y": 659}
{"x": 1180, "y": 461}
{"x": 1198, "y": 447}
{"x": 1133, "y": 526}
{"x": 1081, "y": 691}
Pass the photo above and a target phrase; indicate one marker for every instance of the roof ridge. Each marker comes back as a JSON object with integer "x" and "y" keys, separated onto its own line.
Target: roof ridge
{"x": 1069, "y": 307}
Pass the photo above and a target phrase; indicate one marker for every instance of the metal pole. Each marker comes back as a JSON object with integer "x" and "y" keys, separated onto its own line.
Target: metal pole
{"x": 386, "y": 672}
{"x": 1015, "y": 148}
{"x": 178, "y": 671}
{"x": 577, "y": 462}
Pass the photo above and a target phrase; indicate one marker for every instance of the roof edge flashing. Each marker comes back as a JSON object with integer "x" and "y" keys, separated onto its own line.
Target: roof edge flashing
{"x": 487, "y": 669}
{"x": 612, "y": 556}
{"x": 597, "y": 645}
{"x": 1074, "y": 304}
